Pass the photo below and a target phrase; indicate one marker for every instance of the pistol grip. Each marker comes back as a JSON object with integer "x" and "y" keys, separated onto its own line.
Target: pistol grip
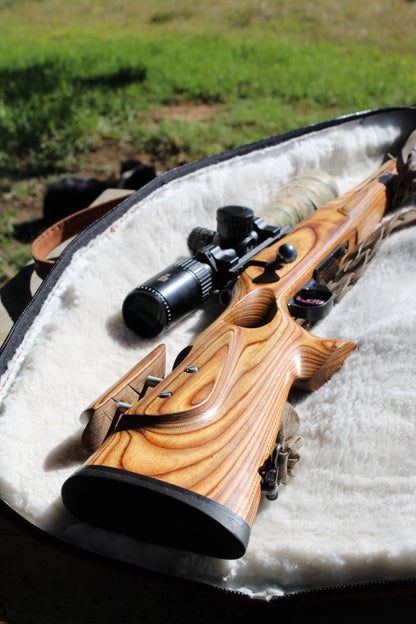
{"x": 324, "y": 358}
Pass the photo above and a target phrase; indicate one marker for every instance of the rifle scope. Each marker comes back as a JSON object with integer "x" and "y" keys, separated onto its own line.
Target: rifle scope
{"x": 184, "y": 285}
{"x": 218, "y": 258}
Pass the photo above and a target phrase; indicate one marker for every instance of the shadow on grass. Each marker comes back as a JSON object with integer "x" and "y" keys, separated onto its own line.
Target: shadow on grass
{"x": 45, "y": 78}
{"x": 41, "y": 121}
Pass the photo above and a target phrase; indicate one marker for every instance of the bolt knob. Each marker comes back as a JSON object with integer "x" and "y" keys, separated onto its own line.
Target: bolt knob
{"x": 287, "y": 253}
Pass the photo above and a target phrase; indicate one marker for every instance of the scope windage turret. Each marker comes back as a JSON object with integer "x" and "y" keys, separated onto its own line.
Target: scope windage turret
{"x": 184, "y": 285}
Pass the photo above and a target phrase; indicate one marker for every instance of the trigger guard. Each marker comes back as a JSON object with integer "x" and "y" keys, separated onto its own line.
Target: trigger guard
{"x": 312, "y": 303}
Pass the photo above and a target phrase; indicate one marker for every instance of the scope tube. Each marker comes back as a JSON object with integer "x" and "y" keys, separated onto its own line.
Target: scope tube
{"x": 169, "y": 295}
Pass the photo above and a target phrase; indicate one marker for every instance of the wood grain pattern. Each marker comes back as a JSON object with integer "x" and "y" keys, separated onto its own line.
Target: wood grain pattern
{"x": 210, "y": 431}
{"x": 102, "y": 415}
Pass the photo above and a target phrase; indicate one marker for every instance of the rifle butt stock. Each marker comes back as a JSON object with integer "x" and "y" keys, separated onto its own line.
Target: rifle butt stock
{"x": 184, "y": 470}
{"x": 155, "y": 511}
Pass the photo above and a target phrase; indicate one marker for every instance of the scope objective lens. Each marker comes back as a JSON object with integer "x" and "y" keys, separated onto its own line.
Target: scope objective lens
{"x": 176, "y": 291}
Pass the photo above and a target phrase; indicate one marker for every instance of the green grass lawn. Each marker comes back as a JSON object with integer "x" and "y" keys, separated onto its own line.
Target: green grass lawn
{"x": 77, "y": 75}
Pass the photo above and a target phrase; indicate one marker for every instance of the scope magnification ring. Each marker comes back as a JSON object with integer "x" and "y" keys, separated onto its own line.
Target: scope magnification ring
{"x": 200, "y": 272}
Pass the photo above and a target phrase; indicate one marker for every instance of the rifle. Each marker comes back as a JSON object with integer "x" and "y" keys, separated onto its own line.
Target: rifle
{"x": 185, "y": 465}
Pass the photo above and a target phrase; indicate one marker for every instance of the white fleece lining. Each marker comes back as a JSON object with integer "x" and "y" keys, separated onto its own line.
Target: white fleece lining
{"x": 349, "y": 515}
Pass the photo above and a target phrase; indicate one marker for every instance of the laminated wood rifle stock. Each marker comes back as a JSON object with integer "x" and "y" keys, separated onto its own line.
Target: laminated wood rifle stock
{"x": 185, "y": 464}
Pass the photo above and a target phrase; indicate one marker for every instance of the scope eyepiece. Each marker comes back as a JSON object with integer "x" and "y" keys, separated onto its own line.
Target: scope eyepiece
{"x": 177, "y": 290}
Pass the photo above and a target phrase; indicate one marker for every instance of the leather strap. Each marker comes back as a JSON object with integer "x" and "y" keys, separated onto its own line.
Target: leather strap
{"x": 70, "y": 226}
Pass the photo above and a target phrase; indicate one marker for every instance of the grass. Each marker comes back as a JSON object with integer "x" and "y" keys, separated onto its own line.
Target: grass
{"x": 77, "y": 75}
{"x": 13, "y": 255}
{"x": 74, "y": 74}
